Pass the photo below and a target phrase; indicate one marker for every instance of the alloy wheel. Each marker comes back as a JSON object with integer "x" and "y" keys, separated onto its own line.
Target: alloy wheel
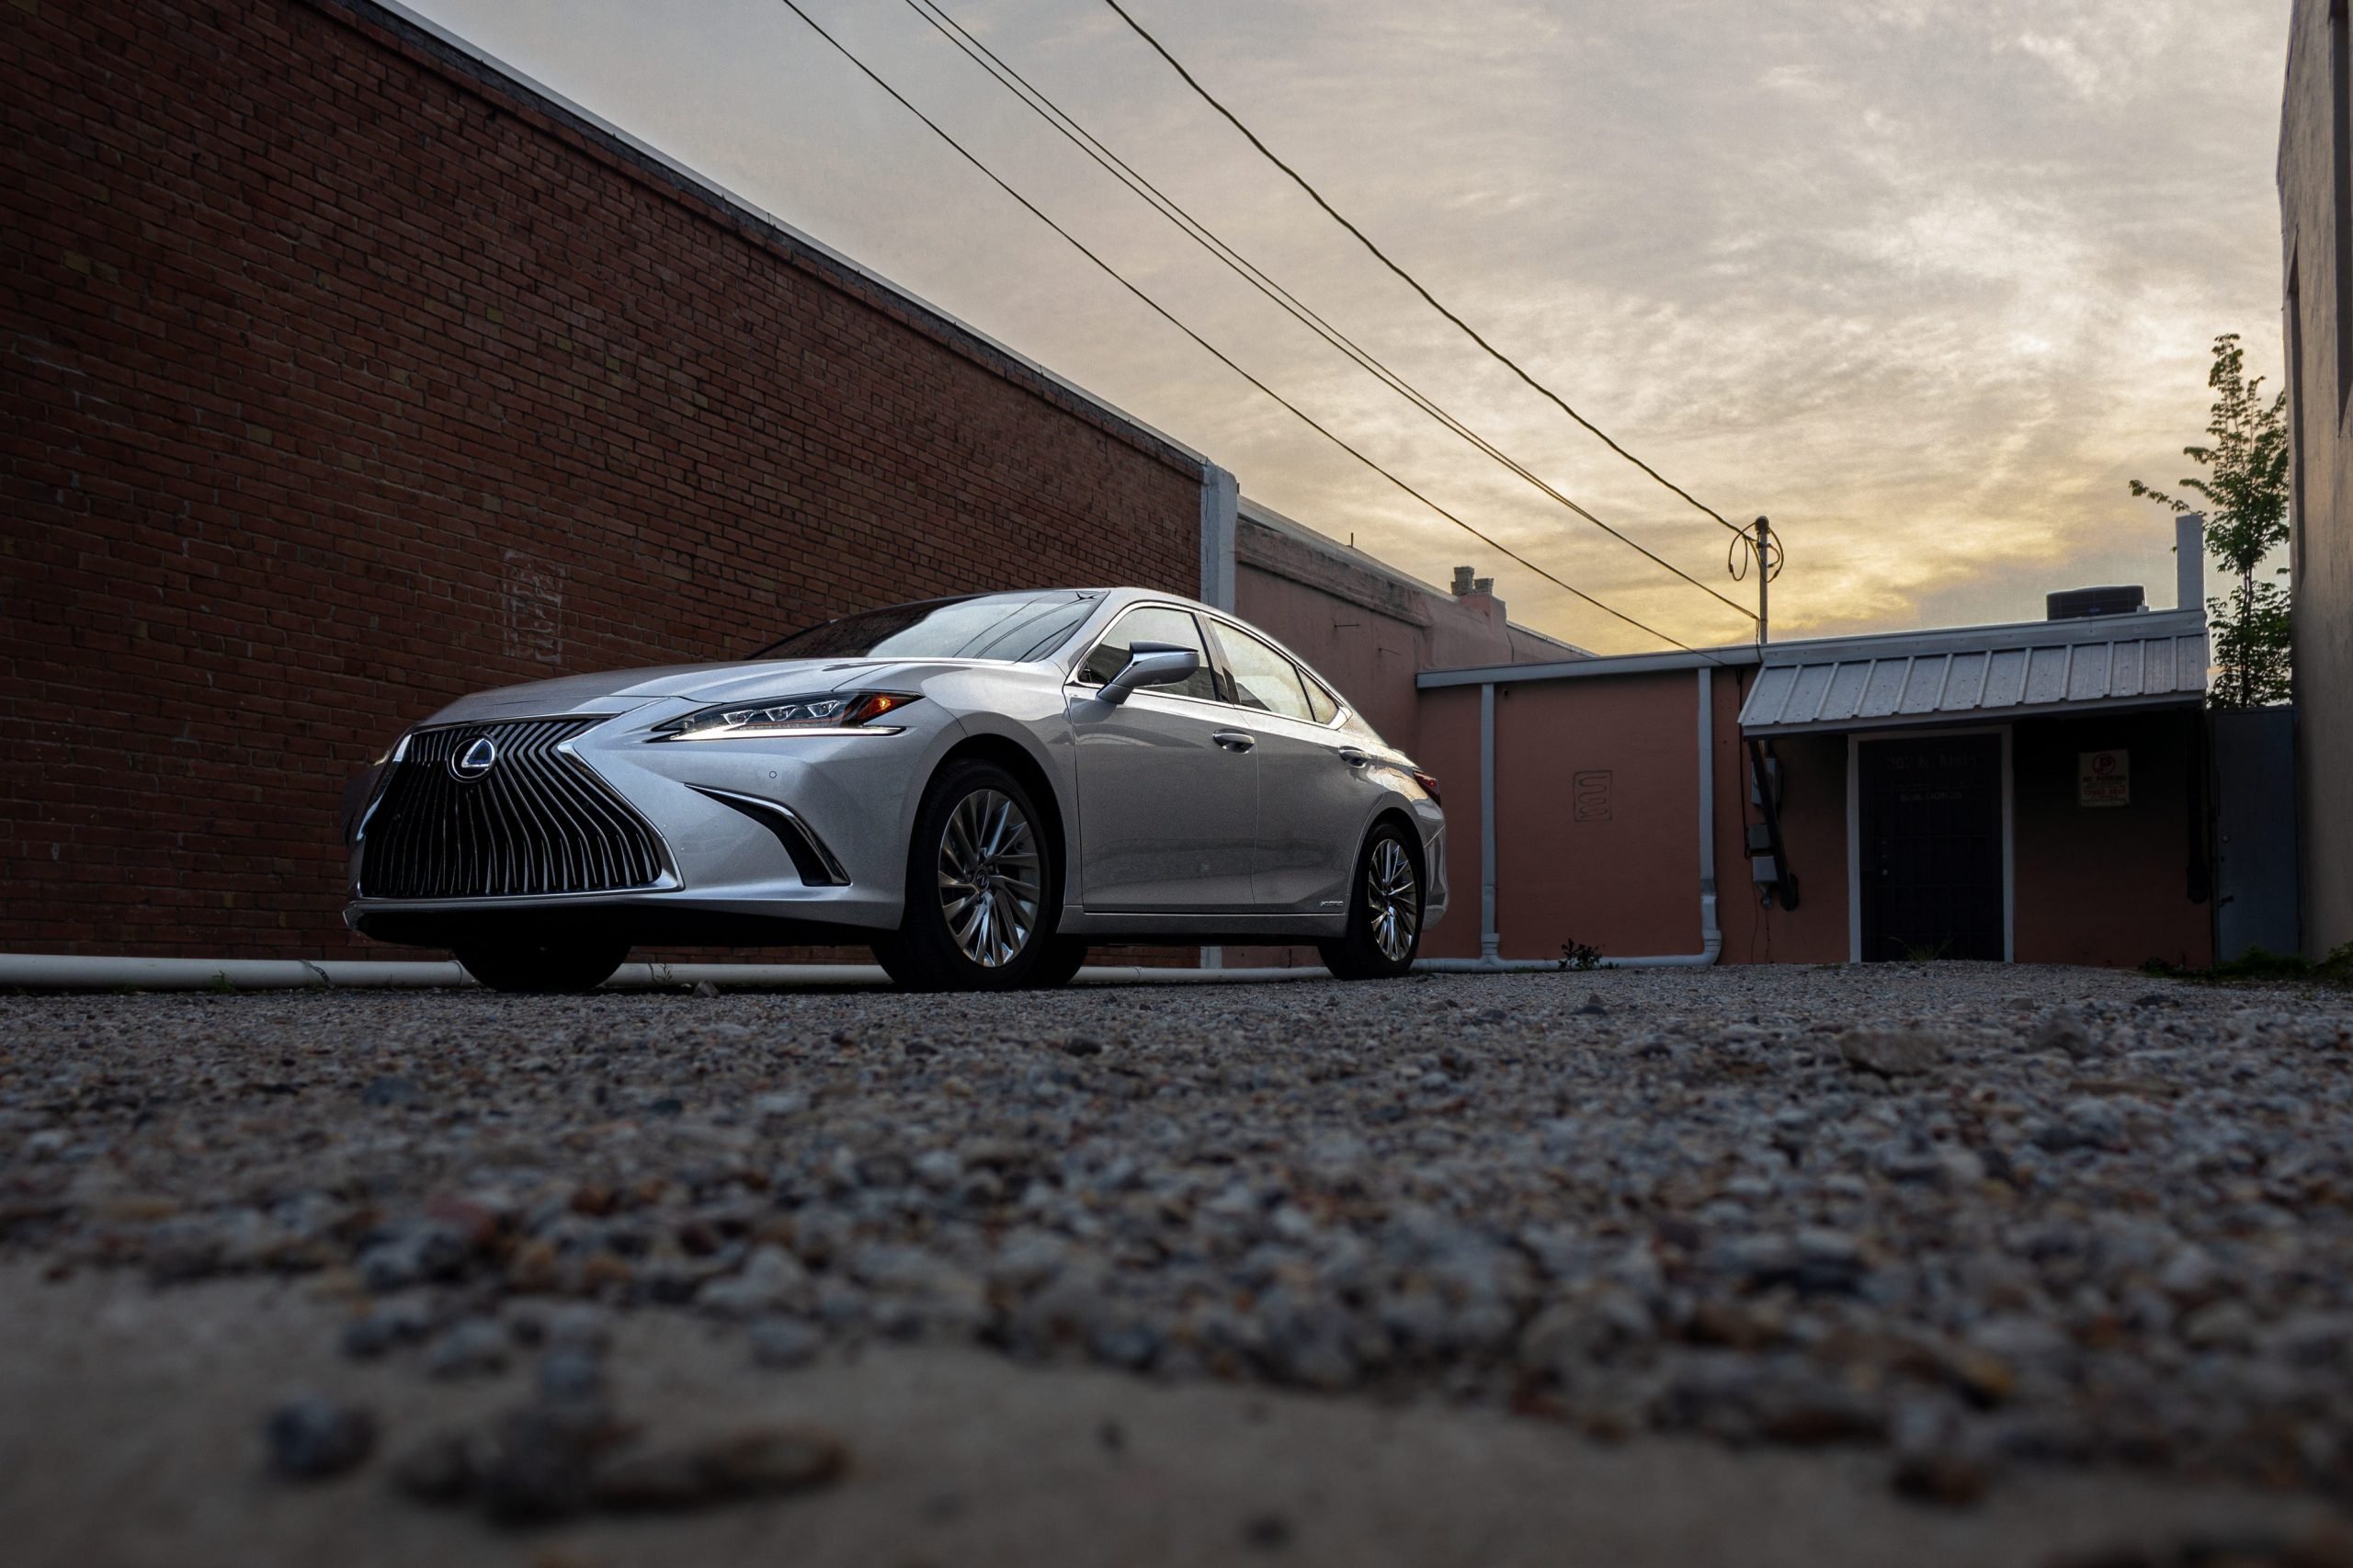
{"x": 990, "y": 878}
{"x": 1389, "y": 892}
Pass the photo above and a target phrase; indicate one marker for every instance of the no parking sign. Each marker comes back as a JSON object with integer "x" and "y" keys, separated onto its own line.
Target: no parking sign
{"x": 2103, "y": 777}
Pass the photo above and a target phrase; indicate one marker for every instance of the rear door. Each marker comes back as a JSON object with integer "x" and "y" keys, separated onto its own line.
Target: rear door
{"x": 1929, "y": 821}
{"x": 1167, "y": 783}
{"x": 1311, "y": 796}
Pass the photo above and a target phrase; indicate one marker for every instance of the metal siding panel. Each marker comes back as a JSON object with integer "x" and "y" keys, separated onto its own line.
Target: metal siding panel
{"x": 2124, "y": 670}
{"x": 2005, "y": 678}
{"x": 2156, "y": 666}
{"x": 1966, "y": 684}
{"x": 2046, "y": 675}
{"x": 1923, "y": 685}
{"x": 2088, "y": 672}
{"x": 1766, "y": 703}
{"x": 1885, "y": 687}
{"x": 1847, "y": 682}
{"x": 1813, "y": 685}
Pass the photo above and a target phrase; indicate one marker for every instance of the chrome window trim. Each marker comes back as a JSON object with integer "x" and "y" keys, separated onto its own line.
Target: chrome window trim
{"x": 1209, "y": 653}
{"x": 1301, "y": 666}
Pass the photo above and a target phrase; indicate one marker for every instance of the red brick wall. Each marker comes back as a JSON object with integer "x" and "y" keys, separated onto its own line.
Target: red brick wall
{"x": 341, "y": 377}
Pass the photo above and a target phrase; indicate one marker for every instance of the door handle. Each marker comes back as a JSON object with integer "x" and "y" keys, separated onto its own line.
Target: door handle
{"x": 1354, "y": 757}
{"x": 1234, "y": 740}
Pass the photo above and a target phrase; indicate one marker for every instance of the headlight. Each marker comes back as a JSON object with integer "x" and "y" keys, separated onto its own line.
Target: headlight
{"x": 827, "y": 713}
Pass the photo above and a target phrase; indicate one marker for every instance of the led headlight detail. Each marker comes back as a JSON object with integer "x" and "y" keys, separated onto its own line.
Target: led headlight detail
{"x": 827, "y": 714}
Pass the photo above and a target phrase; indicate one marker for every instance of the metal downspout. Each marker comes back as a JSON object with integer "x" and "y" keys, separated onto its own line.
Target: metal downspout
{"x": 1490, "y": 962}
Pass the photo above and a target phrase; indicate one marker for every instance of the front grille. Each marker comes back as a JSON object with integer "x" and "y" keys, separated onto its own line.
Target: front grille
{"x": 536, "y": 822}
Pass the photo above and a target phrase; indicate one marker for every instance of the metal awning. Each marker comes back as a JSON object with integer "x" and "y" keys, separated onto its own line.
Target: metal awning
{"x": 1982, "y": 673}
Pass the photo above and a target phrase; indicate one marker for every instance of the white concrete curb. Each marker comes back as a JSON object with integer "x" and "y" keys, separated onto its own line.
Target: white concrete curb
{"x": 41, "y": 972}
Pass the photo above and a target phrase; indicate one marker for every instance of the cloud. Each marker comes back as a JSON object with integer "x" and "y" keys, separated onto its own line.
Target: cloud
{"x": 1925, "y": 282}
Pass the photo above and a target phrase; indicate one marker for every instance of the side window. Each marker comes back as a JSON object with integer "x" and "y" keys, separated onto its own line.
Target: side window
{"x": 1151, "y": 624}
{"x": 1320, "y": 702}
{"x": 1263, "y": 678}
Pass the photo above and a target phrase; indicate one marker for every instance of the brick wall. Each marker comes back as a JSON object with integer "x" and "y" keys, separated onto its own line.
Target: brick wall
{"x": 343, "y": 375}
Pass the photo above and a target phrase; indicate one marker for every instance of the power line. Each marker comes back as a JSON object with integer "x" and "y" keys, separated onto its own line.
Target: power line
{"x": 1161, "y": 311}
{"x": 1087, "y": 142}
{"x": 1411, "y": 281}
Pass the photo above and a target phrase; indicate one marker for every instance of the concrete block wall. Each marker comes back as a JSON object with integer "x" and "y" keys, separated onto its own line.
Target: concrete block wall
{"x": 2318, "y": 287}
{"x": 344, "y": 374}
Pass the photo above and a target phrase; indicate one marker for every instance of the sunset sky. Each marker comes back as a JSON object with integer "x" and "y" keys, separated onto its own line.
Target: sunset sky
{"x": 1927, "y": 282}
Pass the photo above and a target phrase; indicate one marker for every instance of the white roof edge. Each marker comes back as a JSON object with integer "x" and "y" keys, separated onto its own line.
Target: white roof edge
{"x": 1575, "y": 669}
{"x": 761, "y": 216}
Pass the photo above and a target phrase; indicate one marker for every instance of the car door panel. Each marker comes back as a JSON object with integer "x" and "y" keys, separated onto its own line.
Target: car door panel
{"x": 1167, "y": 816}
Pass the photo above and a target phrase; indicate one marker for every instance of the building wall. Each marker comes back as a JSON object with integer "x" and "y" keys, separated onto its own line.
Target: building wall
{"x": 2110, "y": 885}
{"x": 344, "y": 376}
{"x": 1814, "y": 834}
{"x": 1367, "y": 628}
{"x": 2315, "y": 189}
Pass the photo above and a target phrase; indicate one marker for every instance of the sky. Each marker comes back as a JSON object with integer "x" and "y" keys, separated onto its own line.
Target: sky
{"x": 1927, "y": 282}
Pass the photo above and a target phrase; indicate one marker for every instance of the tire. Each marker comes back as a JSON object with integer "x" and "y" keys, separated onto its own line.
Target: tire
{"x": 1058, "y": 962}
{"x": 983, "y": 886}
{"x": 1384, "y": 910}
{"x": 551, "y": 961}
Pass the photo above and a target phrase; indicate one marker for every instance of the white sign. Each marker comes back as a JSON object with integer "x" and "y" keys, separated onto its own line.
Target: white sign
{"x": 2103, "y": 777}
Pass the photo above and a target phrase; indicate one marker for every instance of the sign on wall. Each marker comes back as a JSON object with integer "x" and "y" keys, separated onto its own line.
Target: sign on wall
{"x": 1591, "y": 793}
{"x": 2103, "y": 777}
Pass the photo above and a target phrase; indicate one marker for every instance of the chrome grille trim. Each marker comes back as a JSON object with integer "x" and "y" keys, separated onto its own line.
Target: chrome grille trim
{"x": 539, "y": 821}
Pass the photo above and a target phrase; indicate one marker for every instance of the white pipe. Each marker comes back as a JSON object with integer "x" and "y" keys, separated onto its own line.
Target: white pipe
{"x": 46, "y": 971}
{"x": 1711, "y": 937}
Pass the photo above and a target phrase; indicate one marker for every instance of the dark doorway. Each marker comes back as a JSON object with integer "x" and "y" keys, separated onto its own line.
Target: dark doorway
{"x": 1931, "y": 847}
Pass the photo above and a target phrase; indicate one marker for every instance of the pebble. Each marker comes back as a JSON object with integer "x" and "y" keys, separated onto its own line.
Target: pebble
{"x": 1983, "y": 1217}
{"x": 312, "y": 1437}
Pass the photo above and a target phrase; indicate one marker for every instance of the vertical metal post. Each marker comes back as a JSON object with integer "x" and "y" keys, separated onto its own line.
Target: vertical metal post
{"x": 1764, "y": 576}
{"x": 1490, "y": 940}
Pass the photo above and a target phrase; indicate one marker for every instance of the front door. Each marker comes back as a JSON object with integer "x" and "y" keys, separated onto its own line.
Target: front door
{"x": 1930, "y": 820}
{"x": 1167, "y": 782}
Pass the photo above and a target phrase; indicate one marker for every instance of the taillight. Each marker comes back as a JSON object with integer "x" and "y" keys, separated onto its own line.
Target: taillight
{"x": 1428, "y": 781}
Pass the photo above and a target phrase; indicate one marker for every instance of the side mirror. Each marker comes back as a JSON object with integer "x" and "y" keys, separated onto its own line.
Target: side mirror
{"x": 1152, "y": 664}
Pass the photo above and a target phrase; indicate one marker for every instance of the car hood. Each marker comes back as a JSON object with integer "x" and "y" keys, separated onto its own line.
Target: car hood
{"x": 618, "y": 691}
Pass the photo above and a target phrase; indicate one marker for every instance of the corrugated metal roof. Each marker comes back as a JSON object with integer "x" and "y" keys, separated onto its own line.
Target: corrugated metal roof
{"x": 1992, "y": 673}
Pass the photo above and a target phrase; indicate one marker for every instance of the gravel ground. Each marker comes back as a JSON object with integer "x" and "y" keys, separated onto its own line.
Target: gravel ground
{"x": 1973, "y": 1223}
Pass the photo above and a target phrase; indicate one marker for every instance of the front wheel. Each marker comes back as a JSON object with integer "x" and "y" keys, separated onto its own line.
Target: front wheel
{"x": 547, "y": 963}
{"x": 980, "y": 912}
{"x": 1384, "y": 910}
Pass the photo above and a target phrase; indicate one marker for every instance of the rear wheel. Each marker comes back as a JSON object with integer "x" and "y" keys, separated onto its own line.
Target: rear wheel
{"x": 1384, "y": 910}
{"x": 549, "y": 961}
{"x": 978, "y": 914}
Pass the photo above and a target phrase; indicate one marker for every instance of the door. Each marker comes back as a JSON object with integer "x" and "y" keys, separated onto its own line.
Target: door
{"x": 1930, "y": 836}
{"x": 1167, "y": 783}
{"x": 1313, "y": 788}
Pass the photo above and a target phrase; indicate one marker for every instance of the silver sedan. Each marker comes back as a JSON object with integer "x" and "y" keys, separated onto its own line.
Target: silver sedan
{"x": 977, "y": 788}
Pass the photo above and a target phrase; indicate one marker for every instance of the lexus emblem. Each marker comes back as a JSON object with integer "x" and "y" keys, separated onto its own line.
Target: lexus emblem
{"x": 475, "y": 760}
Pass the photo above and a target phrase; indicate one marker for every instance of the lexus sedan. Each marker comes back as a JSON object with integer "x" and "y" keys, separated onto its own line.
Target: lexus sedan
{"x": 977, "y": 788}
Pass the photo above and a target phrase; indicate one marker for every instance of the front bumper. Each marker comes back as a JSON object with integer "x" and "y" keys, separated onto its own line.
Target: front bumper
{"x": 779, "y": 839}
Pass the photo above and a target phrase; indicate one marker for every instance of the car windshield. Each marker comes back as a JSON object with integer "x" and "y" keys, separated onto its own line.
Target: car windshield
{"x": 1007, "y": 627}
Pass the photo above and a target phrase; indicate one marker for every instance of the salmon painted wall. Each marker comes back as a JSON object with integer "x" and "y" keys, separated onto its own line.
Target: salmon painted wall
{"x": 1448, "y": 722}
{"x": 1814, "y": 832}
{"x": 2108, "y": 885}
{"x": 1596, "y": 814}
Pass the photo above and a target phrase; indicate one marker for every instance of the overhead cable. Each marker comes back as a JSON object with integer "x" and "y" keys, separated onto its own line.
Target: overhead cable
{"x": 1410, "y": 280}
{"x": 1079, "y": 136}
{"x": 1162, "y": 311}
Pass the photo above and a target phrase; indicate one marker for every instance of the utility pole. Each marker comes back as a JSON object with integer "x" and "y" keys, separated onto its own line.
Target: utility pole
{"x": 1763, "y": 545}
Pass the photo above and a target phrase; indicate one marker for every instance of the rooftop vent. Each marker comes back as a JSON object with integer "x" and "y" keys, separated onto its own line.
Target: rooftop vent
{"x": 2080, "y": 604}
